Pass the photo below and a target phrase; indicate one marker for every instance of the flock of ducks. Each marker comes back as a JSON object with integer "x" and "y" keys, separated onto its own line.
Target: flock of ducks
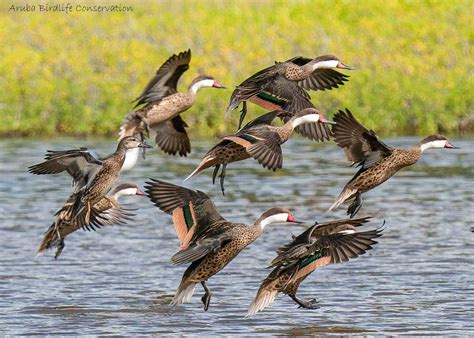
{"x": 208, "y": 242}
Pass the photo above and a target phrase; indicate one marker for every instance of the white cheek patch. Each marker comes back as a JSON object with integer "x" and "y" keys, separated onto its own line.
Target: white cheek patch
{"x": 326, "y": 64}
{"x": 277, "y": 218}
{"x": 306, "y": 119}
{"x": 131, "y": 158}
{"x": 202, "y": 83}
{"x": 433, "y": 144}
{"x": 125, "y": 192}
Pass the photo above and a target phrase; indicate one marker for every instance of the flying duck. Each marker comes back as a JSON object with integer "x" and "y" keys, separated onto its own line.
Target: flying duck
{"x": 378, "y": 161}
{"x": 284, "y": 85}
{"x": 320, "y": 245}
{"x": 105, "y": 212}
{"x": 260, "y": 140}
{"x": 207, "y": 240}
{"x": 160, "y": 105}
{"x": 92, "y": 178}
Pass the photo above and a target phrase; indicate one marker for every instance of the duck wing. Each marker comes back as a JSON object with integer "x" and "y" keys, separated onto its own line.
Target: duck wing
{"x": 166, "y": 79}
{"x": 79, "y": 163}
{"x": 171, "y": 136}
{"x": 320, "y": 79}
{"x": 339, "y": 242}
{"x": 262, "y": 144}
{"x": 361, "y": 146}
{"x": 193, "y": 211}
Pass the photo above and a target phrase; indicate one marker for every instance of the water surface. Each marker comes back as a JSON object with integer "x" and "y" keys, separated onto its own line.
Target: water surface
{"x": 417, "y": 280}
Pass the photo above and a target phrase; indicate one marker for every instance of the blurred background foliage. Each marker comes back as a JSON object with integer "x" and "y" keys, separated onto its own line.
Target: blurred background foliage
{"x": 75, "y": 74}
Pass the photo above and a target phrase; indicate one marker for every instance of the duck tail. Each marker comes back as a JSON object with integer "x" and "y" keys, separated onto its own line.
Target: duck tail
{"x": 346, "y": 194}
{"x": 50, "y": 238}
{"x": 184, "y": 293}
{"x": 264, "y": 298}
{"x": 207, "y": 161}
{"x": 131, "y": 124}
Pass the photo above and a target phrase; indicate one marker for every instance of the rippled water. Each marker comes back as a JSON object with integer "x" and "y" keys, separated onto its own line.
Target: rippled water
{"x": 417, "y": 280}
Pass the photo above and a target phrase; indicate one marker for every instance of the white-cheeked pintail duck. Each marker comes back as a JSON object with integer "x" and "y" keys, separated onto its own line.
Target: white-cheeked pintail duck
{"x": 92, "y": 178}
{"x": 378, "y": 161}
{"x": 105, "y": 212}
{"x": 260, "y": 140}
{"x": 320, "y": 245}
{"x": 284, "y": 85}
{"x": 207, "y": 240}
{"x": 161, "y": 104}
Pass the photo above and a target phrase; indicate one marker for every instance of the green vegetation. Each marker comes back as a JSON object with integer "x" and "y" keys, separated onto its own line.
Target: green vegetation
{"x": 76, "y": 73}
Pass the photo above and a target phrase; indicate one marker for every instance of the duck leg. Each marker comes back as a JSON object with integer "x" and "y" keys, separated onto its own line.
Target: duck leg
{"x": 243, "y": 112}
{"x": 222, "y": 176}
{"x": 214, "y": 174}
{"x": 59, "y": 248}
{"x": 306, "y": 304}
{"x": 206, "y": 299}
{"x": 355, "y": 205}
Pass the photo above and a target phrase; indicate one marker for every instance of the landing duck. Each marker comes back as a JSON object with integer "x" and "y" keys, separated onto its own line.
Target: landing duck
{"x": 207, "y": 240}
{"x": 260, "y": 140}
{"x": 320, "y": 245}
{"x": 92, "y": 178}
{"x": 378, "y": 161}
{"x": 105, "y": 212}
{"x": 160, "y": 105}
{"x": 284, "y": 85}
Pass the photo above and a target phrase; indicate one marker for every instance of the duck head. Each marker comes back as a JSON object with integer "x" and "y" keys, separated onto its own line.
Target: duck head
{"x": 126, "y": 189}
{"x": 202, "y": 81}
{"x": 329, "y": 61}
{"x": 275, "y": 215}
{"x": 308, "y": 115}
{"x": 131, "y": 142}
{"x": 435, "y": 141}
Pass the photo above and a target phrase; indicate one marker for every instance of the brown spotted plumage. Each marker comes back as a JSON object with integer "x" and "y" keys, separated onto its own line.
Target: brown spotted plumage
{"x": 260, "y": 140}
{"x": 284, "y": 85}
{"x": 207, "y": 240}
{"x": 378, "y": 162}
{"x": 320, "y": 245}
{"x": 161, "y": 104}
{"x": 105, "y": 212}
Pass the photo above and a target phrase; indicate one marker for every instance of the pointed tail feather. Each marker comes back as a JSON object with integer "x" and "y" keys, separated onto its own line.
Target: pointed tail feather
{"x": 50, "y": 238}
{"x": 207, "y": 161}
{"x": 346, "y": 194}
{"x": 263, "y": 299}
{"x": 184, "y": 293}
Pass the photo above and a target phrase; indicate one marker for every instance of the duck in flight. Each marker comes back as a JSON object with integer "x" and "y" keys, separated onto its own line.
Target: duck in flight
{"x": 208, "y": 242}
{"x": 160, "y": 105}
{"x": 377, "y": 161}
{"x": 260, "y": 140}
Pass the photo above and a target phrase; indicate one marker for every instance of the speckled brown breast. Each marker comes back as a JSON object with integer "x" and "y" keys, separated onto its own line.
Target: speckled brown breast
{"x": 167, "y": 108}
{"x": 105, "y": 179}
{"x": 385, "y": 169}
{"x": 214, "y": 262}
{"x": 294, "y": 72}
{"x": 231, "y": 152}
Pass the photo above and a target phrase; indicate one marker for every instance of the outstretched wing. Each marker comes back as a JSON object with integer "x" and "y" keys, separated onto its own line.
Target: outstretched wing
{"x": 262, "y": 144}
{"x": 171, "y": 136}
{"x": 320, "y": 79}
{"x": 360, "y": 145}
{"x": 193, "y": 211}
{"x": 79, "y": 163}
{"x": 300, "y": 244}
{"x": 166, "y": 79}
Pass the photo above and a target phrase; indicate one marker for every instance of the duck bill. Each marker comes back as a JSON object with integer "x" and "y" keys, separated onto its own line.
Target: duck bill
{"x": 218, "y": 85}
{"x": 139, "y": 192}
{"x": 343, "y": 66}
{"x": 450, "y": 146}
{"x": 144, "y": 145}
{"x": 330, "y": 122}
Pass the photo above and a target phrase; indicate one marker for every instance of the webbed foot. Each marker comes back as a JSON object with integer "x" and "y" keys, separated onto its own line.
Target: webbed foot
{"x": 355, "y": 206}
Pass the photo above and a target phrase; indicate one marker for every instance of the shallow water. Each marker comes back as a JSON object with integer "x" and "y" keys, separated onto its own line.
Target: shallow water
{"x": 419, "y": 279}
